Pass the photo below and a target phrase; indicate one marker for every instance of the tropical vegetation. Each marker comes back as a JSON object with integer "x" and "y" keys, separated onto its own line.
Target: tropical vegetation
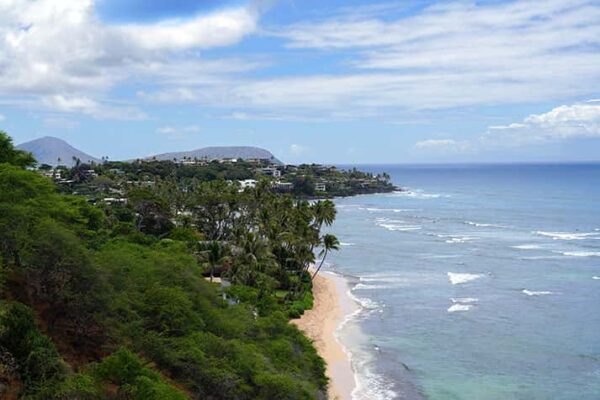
{"x": 183, "y": 291}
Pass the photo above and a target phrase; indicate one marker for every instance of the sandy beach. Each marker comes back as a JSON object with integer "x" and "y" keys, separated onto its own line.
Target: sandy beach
{"x": 331, "y": 306}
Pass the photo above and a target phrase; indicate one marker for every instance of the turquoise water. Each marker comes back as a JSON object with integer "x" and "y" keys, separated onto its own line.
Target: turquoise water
{"x": 479, "y": 282}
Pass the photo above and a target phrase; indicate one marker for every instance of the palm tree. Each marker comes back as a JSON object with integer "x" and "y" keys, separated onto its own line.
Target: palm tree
{"x": 254, "y": 248}
{"x": 324, "y": 213}
{"x": 330, "y": 242}
{"x": 215, "y": 254}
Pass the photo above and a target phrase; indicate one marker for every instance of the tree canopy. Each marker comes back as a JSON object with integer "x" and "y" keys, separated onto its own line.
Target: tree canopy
{"x": 11, "y": 155}
{"x": 112, "y": 301}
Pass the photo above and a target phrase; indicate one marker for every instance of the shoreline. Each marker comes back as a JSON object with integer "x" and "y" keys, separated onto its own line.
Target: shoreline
{"x": 332, "y": 307}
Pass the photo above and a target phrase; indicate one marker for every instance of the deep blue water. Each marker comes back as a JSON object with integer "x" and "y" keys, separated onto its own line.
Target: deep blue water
{"x": 479, "y": 282}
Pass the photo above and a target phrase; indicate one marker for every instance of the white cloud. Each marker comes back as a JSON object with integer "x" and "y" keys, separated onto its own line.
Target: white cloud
{"x": 2, "y": 118}
{"x": 451, "y": 54}
{"x": 61, "y": 51}
{"x": 87, "y": 106}
{"x": 220, "y": 29}
{"x": 565, "y": 122}
{"x": 562, "y": 123}
{"x": 179, "y": 131}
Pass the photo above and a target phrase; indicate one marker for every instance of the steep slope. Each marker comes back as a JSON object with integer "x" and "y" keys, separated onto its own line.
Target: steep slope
{"x": 48, "y": 150}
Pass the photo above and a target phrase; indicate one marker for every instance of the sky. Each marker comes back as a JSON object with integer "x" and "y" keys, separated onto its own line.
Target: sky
{"x": 352, "y": 81}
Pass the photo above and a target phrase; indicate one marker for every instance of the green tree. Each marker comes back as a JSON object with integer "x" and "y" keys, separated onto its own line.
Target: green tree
{"x": 10, "y": 155}
{"x": 324, "y": 213}
{"x": 330, "y": 242}
{"x": 215, "y": 254}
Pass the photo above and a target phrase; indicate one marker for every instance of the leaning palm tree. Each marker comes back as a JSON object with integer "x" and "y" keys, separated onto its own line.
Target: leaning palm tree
{"x": 330, "y": 242}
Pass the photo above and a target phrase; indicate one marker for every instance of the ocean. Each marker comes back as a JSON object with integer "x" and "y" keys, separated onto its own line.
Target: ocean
{"x": 478, "y": 282}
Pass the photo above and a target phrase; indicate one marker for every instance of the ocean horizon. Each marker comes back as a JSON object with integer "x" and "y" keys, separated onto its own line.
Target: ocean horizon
{"x": 477, "y": 281}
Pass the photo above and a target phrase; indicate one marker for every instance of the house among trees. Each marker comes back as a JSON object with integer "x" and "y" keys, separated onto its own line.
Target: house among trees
{"x": 270, "y": 171}
{"x": 247, "y": 183}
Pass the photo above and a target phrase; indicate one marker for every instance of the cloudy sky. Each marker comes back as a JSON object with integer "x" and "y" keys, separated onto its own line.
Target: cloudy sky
{"x": 338, "y": 81}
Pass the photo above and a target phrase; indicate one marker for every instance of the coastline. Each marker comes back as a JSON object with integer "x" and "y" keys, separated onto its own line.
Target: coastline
{"x": 332, "y": 306}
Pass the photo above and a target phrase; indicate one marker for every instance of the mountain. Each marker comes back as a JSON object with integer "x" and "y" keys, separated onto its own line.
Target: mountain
{"x": 48, "y": 149}
{"x": 244, "y": 152}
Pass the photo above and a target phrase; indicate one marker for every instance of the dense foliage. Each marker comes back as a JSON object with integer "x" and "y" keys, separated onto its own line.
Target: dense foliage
{"x": 114, "y": 301}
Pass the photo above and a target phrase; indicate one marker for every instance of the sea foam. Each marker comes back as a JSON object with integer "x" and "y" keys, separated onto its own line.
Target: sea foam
{"x": 580, "y": 253}
{"x": 482, "y": 225}
{"x": 363, "y": 286}
{"x": 527, "y": 247}
{"x": 465, "y": 300}
{"x": 396, "y": 225}
{"x": 463, "y": 239}
{"x": 383, "y": 278}
{"x": 569, "y": 235}
{"x": 459, "y": 307}
{"x": 536, "y": 293}
{"x": 394, "y": 210}
{"x": 370, "y": 385}
{"x": 419, "y": 194}
{"x": 458, "y": 238}
{"x": 457, "y": 278}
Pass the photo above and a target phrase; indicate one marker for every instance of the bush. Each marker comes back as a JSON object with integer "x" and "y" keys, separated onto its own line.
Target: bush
{"x": 37, "y": 360}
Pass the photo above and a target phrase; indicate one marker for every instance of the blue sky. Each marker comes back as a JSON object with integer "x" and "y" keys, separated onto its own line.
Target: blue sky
{"x": 312, "y": 81}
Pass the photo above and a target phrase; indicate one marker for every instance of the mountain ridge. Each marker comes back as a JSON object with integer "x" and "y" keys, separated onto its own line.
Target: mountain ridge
{"x": 219, "y": 152}
{"x": 54, "y": 151}
{"x": 49, "y": 149}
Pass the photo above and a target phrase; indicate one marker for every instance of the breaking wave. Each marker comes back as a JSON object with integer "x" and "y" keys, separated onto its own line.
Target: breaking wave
{"x": 536, "y": 293}
{"x": 457, "y": 278}
{"x": 569, "y": 235}
{"x": 527, "y": 247}
{"x": 481, "y": 225}
{"x": 396, "y": 225}
{"x": 459, "y": 307}
{"x": 580, "y": 253}
{"x": 419, "y": 194}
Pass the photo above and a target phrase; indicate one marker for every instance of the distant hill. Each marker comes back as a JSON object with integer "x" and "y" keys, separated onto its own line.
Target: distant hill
{"x": 244, "y": 152}
{"x": 48, "y": 150}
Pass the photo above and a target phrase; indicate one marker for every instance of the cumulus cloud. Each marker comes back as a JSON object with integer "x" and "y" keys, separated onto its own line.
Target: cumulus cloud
{"x": 379, "y": 61}
{"x": 581, "y": 120}
{"x": 562, "y": 123}
{"x": 219, "y": 29}
{"x": 61, "y": 50}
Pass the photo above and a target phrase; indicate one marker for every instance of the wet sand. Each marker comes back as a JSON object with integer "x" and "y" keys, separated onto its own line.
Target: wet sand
{"x": 331, "y": 306}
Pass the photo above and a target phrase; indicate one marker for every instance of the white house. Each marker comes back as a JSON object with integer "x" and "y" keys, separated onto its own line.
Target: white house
{"x": 247, "y": 183}
{"x": 274, "y": 172}
{"x": 320, "y": 187}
